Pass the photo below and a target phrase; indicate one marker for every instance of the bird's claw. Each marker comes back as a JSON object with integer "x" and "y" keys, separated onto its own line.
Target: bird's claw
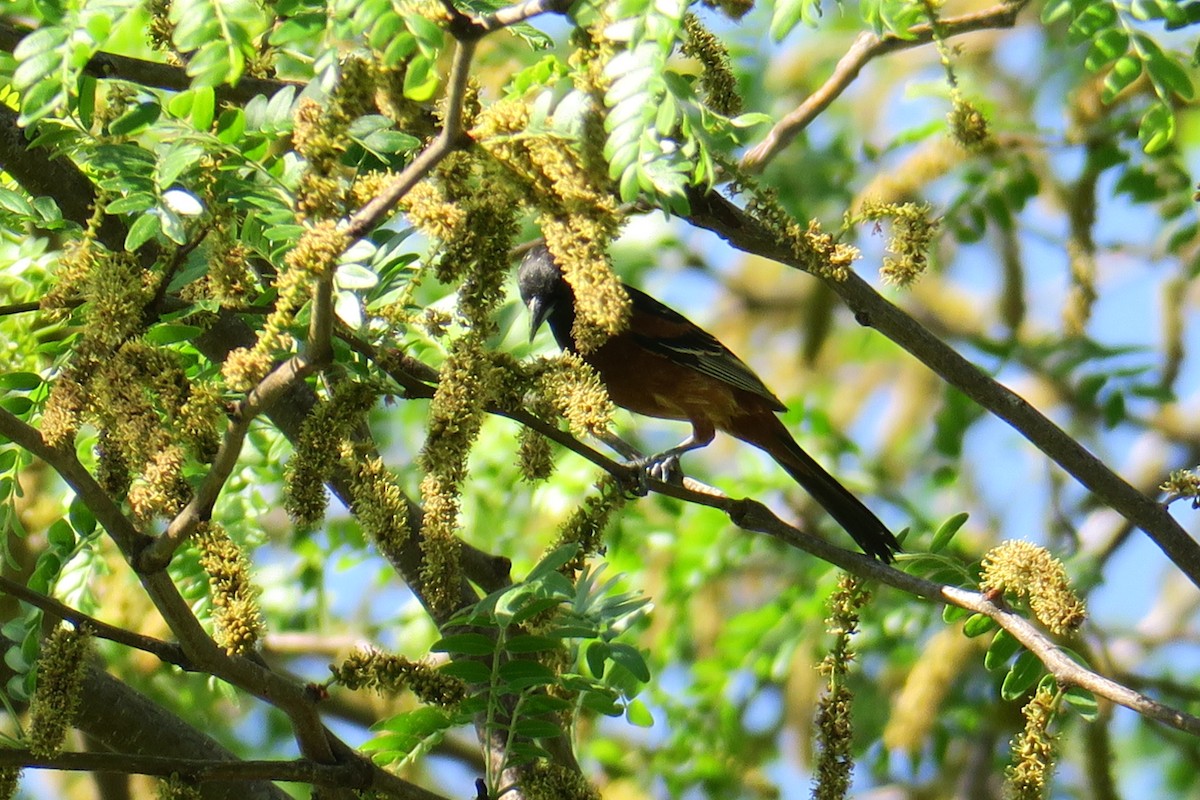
{"x": 664, "y": 468}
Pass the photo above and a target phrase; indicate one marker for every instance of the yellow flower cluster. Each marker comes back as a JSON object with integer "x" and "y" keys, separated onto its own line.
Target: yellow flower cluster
{"x": 1028, "y": 570}
{"x": 835, "y": 728}
{"x": 239, "y": 622}
{"x": 1033, "y": 749}
{"x": 586, "y": 526}
{"x": 912, "y": 237}
{"x": 546, "y": 781}
{"x": 389, "y": 674}
{"x": 60, "y": 672}
{"x": 318, "y": 449}
{"x": 717, "y": 79}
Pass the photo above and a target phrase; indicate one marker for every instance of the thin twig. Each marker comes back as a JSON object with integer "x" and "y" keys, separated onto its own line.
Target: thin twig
{"x": 447, "y": 141}
{"x": 866, "y": 47}
{"x": 754, "y": 516}
{"x": 165, "y": 651}
{"x": 520, "y": 12}
{"x": 19, "y": 308}
{"x": 157, "y": 554}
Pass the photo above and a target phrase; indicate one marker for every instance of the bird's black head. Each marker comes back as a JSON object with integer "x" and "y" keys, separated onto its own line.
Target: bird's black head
{"x": 545, "y": 293}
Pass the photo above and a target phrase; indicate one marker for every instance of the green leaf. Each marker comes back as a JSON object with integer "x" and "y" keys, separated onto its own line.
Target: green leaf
{"x": 1157, "y": 129}
{"x": 596, "y": 656}
{"x": 16, "y": 404}
{"x": 135, "y": 203}
{"x": 61, "y": 536}
{"x": 20, "y": 381}
{"x": 355, "y": 277}
{"x": 1095, "y": 17}
{"x": 1114, "y": 410}
{"x": 946, "y": 531}
{"x": 1083, "y": 702}
{"x": 552, "y": 562}
{"x": 1024, "y": 673}
{"x": 420, "y": 80}
{"x": 469, "y": 671}
{"x": 639, "y": 714}
{"x": 528, "y": 643}
{"x": 15, "y": 203}
{"x": 409, "y": 734}
{"x": 1106, "y": 48}
{"x": 136, "y": 119}
{"x": 785, "y": 14}
{"x": 231, "y": 125}
{"x": 143, "y": 229}
{"x": 977, "y": 625}
{"x": 81, "y": 518}
{"x": 1002, "y": 648}
{"x": 544, "y": 704}
{"x": 953, "y": 613}
{"x": 1166, "y": 73}
{"x": 537, "y": 728}
{"x": 171, "y": 333}
{"x": 1124, "y": 72}
{"x": 467, "y": 644}
{"x": 631, "y": 659}
{"x": 518, "y": 675}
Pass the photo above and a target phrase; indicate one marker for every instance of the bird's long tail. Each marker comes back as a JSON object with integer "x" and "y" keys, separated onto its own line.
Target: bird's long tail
{"x": 769, "y": 434}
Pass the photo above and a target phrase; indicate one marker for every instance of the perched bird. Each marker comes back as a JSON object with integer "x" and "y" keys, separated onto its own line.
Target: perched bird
{"x": 665, "y": 366}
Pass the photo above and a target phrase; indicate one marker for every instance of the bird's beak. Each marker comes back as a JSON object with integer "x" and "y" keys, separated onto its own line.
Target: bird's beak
{"x": 539, "y": 312}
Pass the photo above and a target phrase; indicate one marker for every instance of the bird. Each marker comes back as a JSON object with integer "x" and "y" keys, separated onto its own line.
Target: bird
{"x": 665, "y": 366}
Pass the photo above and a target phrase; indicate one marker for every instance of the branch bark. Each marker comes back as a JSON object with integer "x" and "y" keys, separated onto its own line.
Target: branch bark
{"x": 870, "y": 308}
{"x": 866, "y": 48}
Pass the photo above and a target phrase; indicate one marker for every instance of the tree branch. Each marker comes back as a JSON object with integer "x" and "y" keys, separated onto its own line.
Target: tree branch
{"x": 867, "y": 47}
{"x": 155, "y": 556}
{"x": 204, "y": 771}
{"x": 744, "y": 233}
{"x": 291, "y": 698}
{"x": 164, "y": 651}
{"x": 451, "y": 138}
{"x": 110, "y": 66}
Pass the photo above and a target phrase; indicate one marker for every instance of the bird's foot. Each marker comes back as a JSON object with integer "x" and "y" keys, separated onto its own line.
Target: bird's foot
{"x": 662, "y": 467}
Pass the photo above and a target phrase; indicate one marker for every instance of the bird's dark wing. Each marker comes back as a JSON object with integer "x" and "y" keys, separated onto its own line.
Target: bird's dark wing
{"x": 668, "y": 333}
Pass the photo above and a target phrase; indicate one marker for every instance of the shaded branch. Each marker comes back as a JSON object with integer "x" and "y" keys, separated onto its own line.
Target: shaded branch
{"x": 203, "y": 771}
{"x": 123, "y": 720}
{"x": 164, "y": 651}
{"x": 110, "y": 66}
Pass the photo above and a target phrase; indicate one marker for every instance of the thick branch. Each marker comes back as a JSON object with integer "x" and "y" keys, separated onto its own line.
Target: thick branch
{"x": 124, "y": 720}
{"x": 866, "y": 47}
{"x": 197, "y": 646}
{"x": 744, "y": 233}
{"x": 202, "y": 771}
{"x": 108, "y": 66}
